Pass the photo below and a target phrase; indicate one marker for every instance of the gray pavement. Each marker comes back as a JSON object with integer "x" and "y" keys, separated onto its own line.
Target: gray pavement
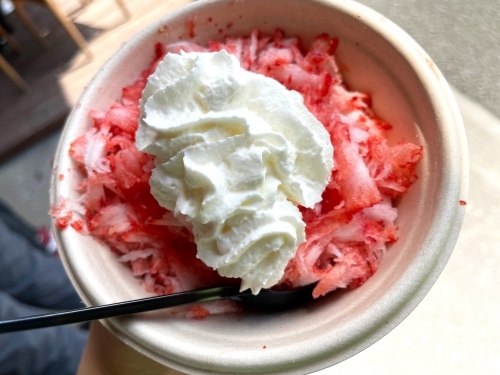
{"x": 461, "y": 36}
{"x": 25, "y": 181}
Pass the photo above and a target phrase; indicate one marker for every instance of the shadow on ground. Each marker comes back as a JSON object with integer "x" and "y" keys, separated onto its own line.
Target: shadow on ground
{"x": 27, "y": 117}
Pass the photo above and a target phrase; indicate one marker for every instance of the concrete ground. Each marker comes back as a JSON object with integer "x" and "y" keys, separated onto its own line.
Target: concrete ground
{"x": 25, "y": 181}
{"x": 461, "y": 36}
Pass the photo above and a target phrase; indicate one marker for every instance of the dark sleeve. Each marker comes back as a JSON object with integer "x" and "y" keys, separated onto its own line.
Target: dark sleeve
{"x": 46, "y": 351}
{"x": 31, "y": 276}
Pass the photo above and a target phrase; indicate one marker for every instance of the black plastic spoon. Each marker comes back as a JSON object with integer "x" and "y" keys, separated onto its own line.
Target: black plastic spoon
{"x": 266, "y": 300}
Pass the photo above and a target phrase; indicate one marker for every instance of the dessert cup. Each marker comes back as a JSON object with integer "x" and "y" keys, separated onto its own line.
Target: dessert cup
{"x": 407, "y": 90}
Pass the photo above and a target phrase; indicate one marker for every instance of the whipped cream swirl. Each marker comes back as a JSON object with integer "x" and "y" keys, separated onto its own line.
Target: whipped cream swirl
{"x": 236, "y": 152}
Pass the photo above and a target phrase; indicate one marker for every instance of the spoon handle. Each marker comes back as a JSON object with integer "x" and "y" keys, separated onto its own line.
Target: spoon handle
{"x": 116, "y": 309}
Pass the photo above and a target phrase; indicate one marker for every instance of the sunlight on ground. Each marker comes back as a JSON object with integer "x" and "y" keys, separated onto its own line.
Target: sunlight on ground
{"x": 106, "y": 15}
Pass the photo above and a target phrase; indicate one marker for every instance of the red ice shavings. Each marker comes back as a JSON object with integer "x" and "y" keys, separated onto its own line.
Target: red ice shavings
{"x": 346, "y": 233}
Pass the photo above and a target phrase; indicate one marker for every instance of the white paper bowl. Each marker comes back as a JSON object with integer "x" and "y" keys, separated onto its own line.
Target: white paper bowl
{"x": 407, "y": 90}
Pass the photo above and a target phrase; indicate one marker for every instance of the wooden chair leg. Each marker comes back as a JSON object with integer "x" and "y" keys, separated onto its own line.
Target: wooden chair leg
{"x": 12, "y": 74}
{"x": 11, "y": 41}
{"x": 123, "y": 8}
{"x": 69, "y": 26}
{"x": 19, "y": 9}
